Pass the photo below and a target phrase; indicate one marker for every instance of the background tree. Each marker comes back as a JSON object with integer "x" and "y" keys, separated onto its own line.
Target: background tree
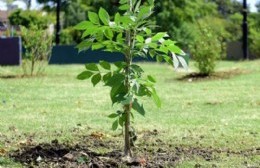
{"x": 30, "y": 18}
{"x": 228, "y": 7}
{"x": 177, "y": 16}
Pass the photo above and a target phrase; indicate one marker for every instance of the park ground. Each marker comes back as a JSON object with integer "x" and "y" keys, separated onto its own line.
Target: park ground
{"x": 55, "y": 120}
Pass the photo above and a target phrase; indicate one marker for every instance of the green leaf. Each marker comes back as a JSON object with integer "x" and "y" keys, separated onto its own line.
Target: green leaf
{"x": 137, "y": 107}
{"x": 115, "y": 125}
{"x": 175, "y": 49}
{"x": 158, "y": 36}
{"x": 152, "y": 53}
{"x": 83, "y": 25}
{"x": 150, "y": 78}
{"x": 89, "y": 31}
{"x": 113, "y": 115}
{"x": 109, "y": 34}
{"x": 123, "y": 1}
{"x": 119, "y": 38}
{"x": 116, "y": 90}
{"x": 107, "y": 76}
{"x": 143, "y": 91}
{"x": 115, "y": 80}
{"x": 97, "y": 46}
{"x": 168, "y": 59}
{"x": 105, "y": 65}
{"x": 122, "y": 120}
{"x": 156, "y": 99}
{"x": 148, "y": 31}
{"x": 117, "y": 98}
{"x": 163, "y": 49}
{"x": 124, "y": 7}
{"x": 126, "y": 20}
{"x": 104, "y": 16}
{"x": 137, "y": 69}
{"x": 92, "y": 67}
{"x": 159, "y": 58}
{"x": 120, "y": 64}
{"x": 153, "y": 45}
{"x": 144, "y": 12}
{"x": 84, "y": 45}
{"x": 84, "y": 75}
{"x": 95, "y": 79}
{"x": 93, "y": 17}
{"x": 140, "y": 38}
{"x": 117, "y": 18}
{"x": 137, "y": 6}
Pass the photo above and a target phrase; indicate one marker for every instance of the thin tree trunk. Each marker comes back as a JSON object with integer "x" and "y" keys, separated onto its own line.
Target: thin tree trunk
{"x": 127, "y": 107}
{"x": 32, "y": 66}
{"x": 127, "y": 150}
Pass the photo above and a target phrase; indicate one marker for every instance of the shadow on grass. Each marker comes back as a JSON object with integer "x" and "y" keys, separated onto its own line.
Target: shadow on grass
{"x": 21, "y": 76}
{"x": 220, "y": 75}
{"x": 9, "y": 76}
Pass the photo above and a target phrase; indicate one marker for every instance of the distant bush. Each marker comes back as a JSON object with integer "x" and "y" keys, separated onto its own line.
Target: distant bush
{"x": 206, "y": 48}
{"x": 37, "y": 44}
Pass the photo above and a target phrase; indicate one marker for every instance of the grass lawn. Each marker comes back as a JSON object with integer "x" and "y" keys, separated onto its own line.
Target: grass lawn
{"x": 218, "y": 114}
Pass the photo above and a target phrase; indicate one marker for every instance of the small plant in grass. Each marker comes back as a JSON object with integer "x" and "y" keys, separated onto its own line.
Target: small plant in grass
{"x": 130, "y": 34}
{"x": 206, "y": 48}
{"x": 37, "y": 44}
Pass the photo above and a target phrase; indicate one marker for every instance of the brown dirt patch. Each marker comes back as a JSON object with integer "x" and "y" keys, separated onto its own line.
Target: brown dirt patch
{"x": 85, "y": 154}
{"x": 215, "y": 76}
{"x": 21, "y": 76}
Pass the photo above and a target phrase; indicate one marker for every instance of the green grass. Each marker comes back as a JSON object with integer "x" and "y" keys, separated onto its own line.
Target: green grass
{"x": 219, "y": 113}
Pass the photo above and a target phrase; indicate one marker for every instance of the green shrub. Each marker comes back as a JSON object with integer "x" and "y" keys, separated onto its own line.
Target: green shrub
{"x": 206, "y": 48}
{"x": 37, "y": 44}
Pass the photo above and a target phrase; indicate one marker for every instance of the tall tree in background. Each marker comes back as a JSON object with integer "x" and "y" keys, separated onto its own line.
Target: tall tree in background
{"x": 176, "y": 17}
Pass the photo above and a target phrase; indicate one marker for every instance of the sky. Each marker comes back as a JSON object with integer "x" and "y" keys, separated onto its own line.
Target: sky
{"x": 36, "y": 6}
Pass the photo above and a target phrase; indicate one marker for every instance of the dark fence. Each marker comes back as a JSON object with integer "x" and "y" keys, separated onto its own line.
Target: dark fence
{"x": 235, "y": 51}
{"x": 10, "y": 51}
{"x": 70, "y": 55}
